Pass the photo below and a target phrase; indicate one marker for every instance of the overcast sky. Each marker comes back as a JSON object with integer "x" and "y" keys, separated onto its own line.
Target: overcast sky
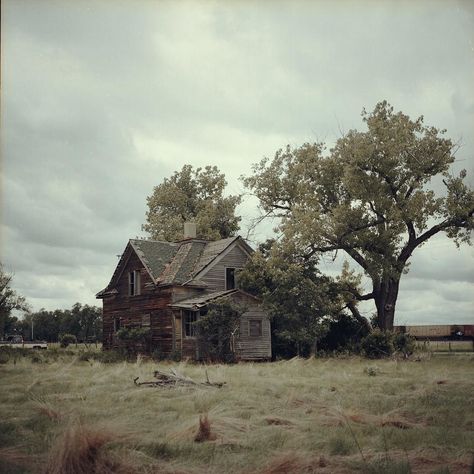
{"x": 102, "y": 100}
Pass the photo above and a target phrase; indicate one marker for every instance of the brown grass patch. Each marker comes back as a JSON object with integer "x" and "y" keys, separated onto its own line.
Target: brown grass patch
{"x": 204, "y": 432}
{"x": 401, "y": 424}
{"x": 289, "y": 463}
{"x": 278, "y": 421}
{"x": 82, "y": 450}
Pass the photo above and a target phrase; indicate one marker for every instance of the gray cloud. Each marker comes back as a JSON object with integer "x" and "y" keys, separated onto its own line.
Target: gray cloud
{"x": 102, "y": 100}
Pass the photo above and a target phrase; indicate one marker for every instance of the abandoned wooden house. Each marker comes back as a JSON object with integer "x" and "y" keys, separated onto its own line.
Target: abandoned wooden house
{"x": 166, "y": 286}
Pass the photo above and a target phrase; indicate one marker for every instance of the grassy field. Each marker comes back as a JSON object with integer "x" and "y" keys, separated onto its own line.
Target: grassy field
{"x": 447, "y": 346}
{"x": 65, "y": 415}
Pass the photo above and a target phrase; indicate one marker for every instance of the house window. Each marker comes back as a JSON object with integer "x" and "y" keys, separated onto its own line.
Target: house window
{"x": 255, "y": 327}
{"x": 134, "y": 283}
{"x": 190, "y": 317}
{"x": 229, "y": 278}
{"x": 116, "y": 324}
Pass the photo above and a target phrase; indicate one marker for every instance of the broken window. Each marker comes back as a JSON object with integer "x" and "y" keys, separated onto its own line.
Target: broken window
{"x": 190, "y": 317}
{"x": 134, "y": 283}
{"x": 229, "y": 278}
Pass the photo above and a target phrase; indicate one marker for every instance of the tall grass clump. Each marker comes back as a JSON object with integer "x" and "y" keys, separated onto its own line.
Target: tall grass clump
{"x": 85, "y": 450}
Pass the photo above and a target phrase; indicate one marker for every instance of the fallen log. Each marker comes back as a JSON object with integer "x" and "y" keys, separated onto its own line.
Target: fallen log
{"x": 174, "y": 378}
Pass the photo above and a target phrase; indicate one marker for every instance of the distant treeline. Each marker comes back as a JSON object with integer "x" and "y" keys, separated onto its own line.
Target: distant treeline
{"x": 84, "y": 322}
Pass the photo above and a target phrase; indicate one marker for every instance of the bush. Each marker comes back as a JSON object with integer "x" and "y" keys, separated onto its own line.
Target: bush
{"x": 344, "y": 334}
{"x": 157, "y": 355}
{"x": 404, "y": 343}
{"x": 378, "y": 344}
{"x": 133, "y": 334}
{"x": 67, "y": 339}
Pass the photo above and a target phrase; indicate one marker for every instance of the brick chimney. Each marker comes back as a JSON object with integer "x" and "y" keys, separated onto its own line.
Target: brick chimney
{"x": 189, "y": 230}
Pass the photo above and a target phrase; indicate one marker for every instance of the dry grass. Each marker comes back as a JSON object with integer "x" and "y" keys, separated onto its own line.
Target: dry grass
{"x": 83, "y": 450}
{"x": 204, "y": 432}
{"x": 323, "y": 415}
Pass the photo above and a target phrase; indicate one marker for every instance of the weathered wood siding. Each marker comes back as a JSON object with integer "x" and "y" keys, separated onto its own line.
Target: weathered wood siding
{"x": 253, "y": 347}
{"x": 214, "y": 277}
{"x": 131, "y": 309}
{"x": 166, "y": 324}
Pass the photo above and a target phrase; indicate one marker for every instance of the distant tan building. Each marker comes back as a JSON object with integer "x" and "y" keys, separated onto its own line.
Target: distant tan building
{"x": 439, "y": 331}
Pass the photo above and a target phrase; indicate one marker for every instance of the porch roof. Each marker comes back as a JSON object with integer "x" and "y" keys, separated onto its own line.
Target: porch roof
{"x": 198, "y": 302}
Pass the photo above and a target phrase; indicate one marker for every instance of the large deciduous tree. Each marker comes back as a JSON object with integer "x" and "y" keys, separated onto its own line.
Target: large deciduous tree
{"x": 371, "y": 197}
{"x": 192, "y": 195}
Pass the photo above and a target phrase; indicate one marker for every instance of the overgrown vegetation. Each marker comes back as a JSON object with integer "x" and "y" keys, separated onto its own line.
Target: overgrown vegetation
{"x": 218, "y": 331}
{"x": 72, "y": 413}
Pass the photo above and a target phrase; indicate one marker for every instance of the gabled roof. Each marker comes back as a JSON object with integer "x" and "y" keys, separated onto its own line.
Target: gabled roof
{"x": 173, "y": 263}
{"x": 155, "y": 255}
{"x": 211, "y": 251}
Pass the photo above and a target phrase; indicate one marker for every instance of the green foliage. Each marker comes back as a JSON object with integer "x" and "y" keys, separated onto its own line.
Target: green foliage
{"x": 9, "y": 300}
{"x": 157, "y": 355}
{"x": 133, "y": 334}
{"x": 344, "y": 334}
{"x": 192, "y": 195}
{"x": 299, "y": 300}
{"x": 404, "y": 343}
{"x": 175, "y": 355}
{"x": 370, "y": 197}
{"x": 378, "y": 344}
{"x": 218, "y": 330}
{"x": 83, "y": 321}
{"x": 66, "y": 339}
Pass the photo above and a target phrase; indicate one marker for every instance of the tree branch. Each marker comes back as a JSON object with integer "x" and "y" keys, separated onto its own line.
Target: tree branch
{"x": 361, "y": 319}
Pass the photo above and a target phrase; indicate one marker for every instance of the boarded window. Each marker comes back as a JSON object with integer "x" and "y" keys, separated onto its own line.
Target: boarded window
{"x": 190, "y": 317}
{"x": 134, "y": 283}
{"x": 255, "y": 327}
{"x": 116, "y": 324}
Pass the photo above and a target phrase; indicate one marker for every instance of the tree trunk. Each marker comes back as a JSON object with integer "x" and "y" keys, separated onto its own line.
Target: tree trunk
{"x": 385, "y": 300}
{"x": 314, "y": 348}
